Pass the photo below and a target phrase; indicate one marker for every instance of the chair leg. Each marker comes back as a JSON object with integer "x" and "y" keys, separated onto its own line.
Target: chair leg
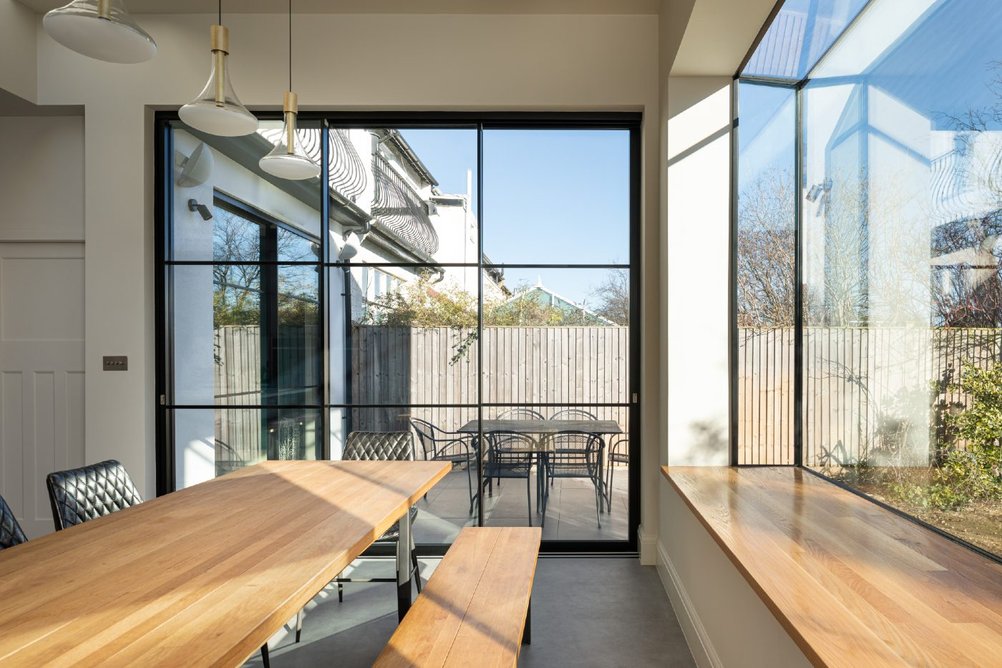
{"x": 265, "y": 659}
{"x": 598, "y": 501}
{"x": 528, "y": 497}
{"x": 469, "y": 484}
{"x": 340, "y": 593}
{"x": 299, "y": 626}
{"x": 608, "y": 484}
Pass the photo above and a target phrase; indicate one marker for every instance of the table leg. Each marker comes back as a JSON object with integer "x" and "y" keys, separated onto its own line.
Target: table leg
{"x": 404, "y": 565}
{"x": 527, "y": 629}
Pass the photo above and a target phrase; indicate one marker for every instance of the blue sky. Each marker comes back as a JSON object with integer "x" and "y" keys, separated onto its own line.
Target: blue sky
{"x": 550, "y": 197}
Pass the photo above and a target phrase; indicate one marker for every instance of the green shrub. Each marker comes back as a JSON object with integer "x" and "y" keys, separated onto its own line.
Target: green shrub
{"x": 968, "y": 464}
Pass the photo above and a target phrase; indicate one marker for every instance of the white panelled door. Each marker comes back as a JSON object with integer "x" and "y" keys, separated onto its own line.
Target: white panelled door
{"x": 41, "y": 373}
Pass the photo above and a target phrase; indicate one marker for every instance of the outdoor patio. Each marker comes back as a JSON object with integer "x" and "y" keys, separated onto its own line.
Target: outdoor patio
{"x": 570, "y": 513}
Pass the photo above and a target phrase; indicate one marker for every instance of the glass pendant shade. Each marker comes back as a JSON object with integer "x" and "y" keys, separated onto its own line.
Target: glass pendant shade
{"x": 288, "y": 160}
{"x": 217, "y": 110}
{"x": 100, "y": 29}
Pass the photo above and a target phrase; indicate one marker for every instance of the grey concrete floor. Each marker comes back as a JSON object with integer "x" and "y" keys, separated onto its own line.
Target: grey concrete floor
{"x": 585, "y": 612}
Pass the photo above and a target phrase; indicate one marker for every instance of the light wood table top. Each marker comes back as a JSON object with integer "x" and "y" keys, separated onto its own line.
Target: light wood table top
{"x": 852, "y": 583}
{"x": 203, "y": 576}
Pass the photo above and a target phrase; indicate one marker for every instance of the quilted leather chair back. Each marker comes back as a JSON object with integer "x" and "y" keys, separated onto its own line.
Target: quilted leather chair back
{"x": 379, "y": 445}
{"x": 10, "y": 530}
{"x": 89, "y": 492}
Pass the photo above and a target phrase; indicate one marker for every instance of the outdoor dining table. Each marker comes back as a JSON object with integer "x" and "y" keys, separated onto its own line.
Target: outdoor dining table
{"x": 544, "y": 428}
{"x": 205, "y": 575}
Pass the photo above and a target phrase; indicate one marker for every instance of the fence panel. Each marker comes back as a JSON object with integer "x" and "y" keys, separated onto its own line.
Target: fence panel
{"x": 522, "y": 366}
{"x": 864, "y": 389}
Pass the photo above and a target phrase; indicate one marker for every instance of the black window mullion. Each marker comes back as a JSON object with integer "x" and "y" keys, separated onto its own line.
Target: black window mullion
{"x": 268, "y": 313}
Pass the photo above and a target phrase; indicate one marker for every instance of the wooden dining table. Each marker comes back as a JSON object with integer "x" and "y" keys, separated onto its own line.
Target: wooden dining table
{"x": 203, "y": 576}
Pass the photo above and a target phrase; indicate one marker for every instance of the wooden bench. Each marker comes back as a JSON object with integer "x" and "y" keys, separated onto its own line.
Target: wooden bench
{"x": 474, "y": 610}
{"x": 852, "y": 583}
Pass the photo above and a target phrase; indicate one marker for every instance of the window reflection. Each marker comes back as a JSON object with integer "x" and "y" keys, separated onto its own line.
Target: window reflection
{"x": 901, "y": 228}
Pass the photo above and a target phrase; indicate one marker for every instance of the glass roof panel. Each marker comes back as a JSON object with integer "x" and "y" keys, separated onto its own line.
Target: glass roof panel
{"x": 801, "y": 33}
{"x": 885, "y": 23}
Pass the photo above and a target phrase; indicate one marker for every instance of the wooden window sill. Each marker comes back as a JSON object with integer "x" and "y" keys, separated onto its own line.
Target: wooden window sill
{"x": 852, "y": 583}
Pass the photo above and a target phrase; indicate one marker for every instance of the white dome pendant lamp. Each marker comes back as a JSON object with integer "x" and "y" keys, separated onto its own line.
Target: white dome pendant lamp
{"x": 217, "y": 110}
{"x": 101, "y": 29}
{"x": 288, "y": 160}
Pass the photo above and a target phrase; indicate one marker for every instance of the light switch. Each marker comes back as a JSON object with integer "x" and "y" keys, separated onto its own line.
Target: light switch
{"x": 116, "y": 363}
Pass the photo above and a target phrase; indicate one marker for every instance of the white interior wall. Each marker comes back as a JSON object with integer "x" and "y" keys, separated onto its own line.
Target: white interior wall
{"x": 18, "y": 65}
{"x": 697, "y": 254}
{"x": 559, "y": 63}
{"x": 41, "y": 309}
{"x": 725, "y": 622}
{"x": 42, "y": 188}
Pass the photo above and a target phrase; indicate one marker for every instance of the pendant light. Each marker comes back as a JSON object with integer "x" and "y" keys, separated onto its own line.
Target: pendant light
{"x": 100, "y": 29}
{"x": 288, "y": 160}
{"x": 217, "y": 110}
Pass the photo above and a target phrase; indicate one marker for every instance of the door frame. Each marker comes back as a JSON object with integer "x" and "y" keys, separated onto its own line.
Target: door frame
{"x": 481, "y": 121}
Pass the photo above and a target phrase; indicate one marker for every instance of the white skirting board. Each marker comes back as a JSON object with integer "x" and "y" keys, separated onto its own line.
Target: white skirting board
{"x": 648, "y": 544}
{"x": 696, "y": 636}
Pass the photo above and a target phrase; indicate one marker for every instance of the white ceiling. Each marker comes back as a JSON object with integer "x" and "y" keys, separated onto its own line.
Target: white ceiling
{"x": 382, "y": 6}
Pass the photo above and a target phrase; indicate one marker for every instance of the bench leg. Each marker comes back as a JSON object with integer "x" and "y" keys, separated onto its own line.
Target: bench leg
{"x": 527, "y": 630}
{"x": 404, "y": 565}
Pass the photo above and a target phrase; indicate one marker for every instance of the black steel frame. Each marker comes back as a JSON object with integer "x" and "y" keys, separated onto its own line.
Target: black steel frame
{"x": 480, "y": 122}
{"x": 799, "y": 426}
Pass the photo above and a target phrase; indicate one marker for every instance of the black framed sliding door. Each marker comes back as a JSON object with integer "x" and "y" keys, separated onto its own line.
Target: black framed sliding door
{"x": 450, "y": 269}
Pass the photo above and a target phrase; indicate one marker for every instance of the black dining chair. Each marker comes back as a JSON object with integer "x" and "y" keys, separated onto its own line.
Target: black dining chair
{"x": 520, "y": 413}
{"x": 577, "y": 454}
{"x": 89, "y": 492}
{"x": 86, "y": 493}
{"x": 618, "y": 453}
{"x": 440, "y": 445}
{"x": 511, "y": 455}
{"x": 573, "y": 414}
{"x": 10, "y": 531}
{"x": 382, "y": 446}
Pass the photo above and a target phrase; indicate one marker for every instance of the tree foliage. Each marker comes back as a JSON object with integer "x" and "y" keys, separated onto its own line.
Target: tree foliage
{"x": 766, "y": 252}
{"x": 423, "y": 303}
{"x": 613, "y": 297}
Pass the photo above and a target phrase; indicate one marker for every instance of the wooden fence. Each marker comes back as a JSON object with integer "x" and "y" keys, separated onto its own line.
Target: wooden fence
{"x": 523, "y": 366}
{"x": 432, "y": 370}
{"x": 865, "y": 389}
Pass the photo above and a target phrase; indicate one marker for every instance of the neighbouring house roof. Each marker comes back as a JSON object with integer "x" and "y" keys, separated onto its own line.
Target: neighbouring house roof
{"x": 547, "y": 297}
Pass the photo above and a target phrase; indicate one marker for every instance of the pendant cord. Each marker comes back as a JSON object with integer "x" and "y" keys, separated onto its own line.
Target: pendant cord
{"x": 219, "y": 17}
{"x": 290, "y": 44}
